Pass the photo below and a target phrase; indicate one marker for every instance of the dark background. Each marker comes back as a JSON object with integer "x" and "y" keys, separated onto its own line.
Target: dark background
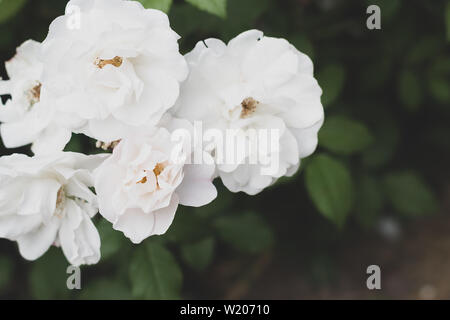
{"x": 376, "y": 191}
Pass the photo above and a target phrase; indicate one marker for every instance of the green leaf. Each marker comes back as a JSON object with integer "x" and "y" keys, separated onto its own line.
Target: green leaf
{"x": 439, "y": 89}
{"x": 6, "y": 38}
{"x": 154, "y": 273}
{"x": 163, "y": 5}
{"x": 375, "y": 74}
{"x": 440, "y": 66}
{"x": 6, "y": 272}
{"x": 105, "y": 289}
{"x": 198, "y": 255}
{"x": 75, "y": 144}
{"x": 330, "y": 187}
{"x": 387, "y": 137}
{"x": 216, "y": 7}
{"x": 188, "y": 20}
{"x": 243, "y": 15}
{"x": 332, "y": 79}
{"x": 9, "y": 8}
{"x": 187, "y": 227}
{"x": 247, "y": 232}
{"x": 410, "y": 90}
{"x": 369, "y": 201}
{"x": 409, "y": 194}
{"x": 48, "y": 276}
{"x": 343, "y": 135}
{"x": 425, "y": 48}
{"x": 112, "y": 240}
{"x": 438, "y": 76}
{"x": 303, "y": 44}
{"x": 447, "y": 19}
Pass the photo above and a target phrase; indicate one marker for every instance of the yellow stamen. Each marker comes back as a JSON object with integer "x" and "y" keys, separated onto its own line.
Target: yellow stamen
{"x": 158, "y": 169}
{"x": 116, "y": 62}
{"x": 143, "y": 180}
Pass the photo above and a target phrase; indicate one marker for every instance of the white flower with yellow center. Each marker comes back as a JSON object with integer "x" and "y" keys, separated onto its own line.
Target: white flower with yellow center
{"x": 29, "y": 116}
{"x": 254, "y": 83}
{"x": 47, "y": 200}
{"x": 118, "y": 68}
{"x": 140, "y": 186}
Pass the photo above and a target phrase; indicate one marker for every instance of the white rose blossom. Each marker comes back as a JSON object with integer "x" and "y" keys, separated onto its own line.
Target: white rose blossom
{"x": 117, "y": 76}
{"x": 120, "y": 67}
{"x": 140, "y": 186}
{"x": 46, "y": 200}
{"x": 254, "y": 82}
{"x": 29, "y": 117}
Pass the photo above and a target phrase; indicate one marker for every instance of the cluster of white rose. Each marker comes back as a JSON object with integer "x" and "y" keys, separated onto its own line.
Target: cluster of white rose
{"x": 118, "y": 77}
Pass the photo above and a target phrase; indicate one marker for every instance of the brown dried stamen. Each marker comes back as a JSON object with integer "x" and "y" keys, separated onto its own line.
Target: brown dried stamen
{"x": 60, "y": 200}
{"x": 248, "y": 107}
{"x": 116, "y": 62}
{"x": 143, "y": 180}
{"x": 107, "y": 145}
{"x": 36, "y": 91}
{"x": 157, "y": 171}
{"x": 34, "y": 95}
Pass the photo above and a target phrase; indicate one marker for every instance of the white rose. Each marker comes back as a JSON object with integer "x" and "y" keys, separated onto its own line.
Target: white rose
{"x": 46, "y": 200}
{"x": 119, "y": 67}
{"x": 254, "y": 82}
{"x": 140, "y": 186}
{"x": 29, "y": 117}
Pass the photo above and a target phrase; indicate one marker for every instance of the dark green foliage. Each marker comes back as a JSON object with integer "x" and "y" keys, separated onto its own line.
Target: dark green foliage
{"x": 154, "y": 273}
{"x": 330, "y": 187}
{"x": 246, "y": 232}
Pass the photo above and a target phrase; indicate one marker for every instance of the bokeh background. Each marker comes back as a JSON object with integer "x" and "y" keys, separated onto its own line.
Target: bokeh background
{"x": 377, "y": 190}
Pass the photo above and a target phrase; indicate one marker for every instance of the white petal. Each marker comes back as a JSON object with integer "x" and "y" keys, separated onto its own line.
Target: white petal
{"x": 13, "y": 226}
{"x": 197, "y": 188}
{"x": 138, "y": 225}
{"x": 108, "y": 177}
{"x": 50, "y": 140}
{"x": 40, "y": 197}
{"x": 307, "y": 139}
{"x": 22, "y": 132}
{"x": 216, "y": 45}
{"x": 5, "y": 87}
{"x": 135, "y": 224}
{"x": 78, "y": 236}
{"x": 34, "y": 244}
{"x": 240, "y": 45}
{"x": 164, "y": 217}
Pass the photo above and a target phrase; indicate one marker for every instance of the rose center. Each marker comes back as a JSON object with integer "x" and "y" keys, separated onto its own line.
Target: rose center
{"x": 60, "y": 201}
{"x": 248, "y": 107}
{"x": 116, "y": 62}
{"x": 34, "y": 94}
{"x": 157, "y": 171}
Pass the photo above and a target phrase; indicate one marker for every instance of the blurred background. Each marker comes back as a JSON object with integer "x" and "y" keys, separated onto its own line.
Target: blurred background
{"x": 377, "y": 190}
